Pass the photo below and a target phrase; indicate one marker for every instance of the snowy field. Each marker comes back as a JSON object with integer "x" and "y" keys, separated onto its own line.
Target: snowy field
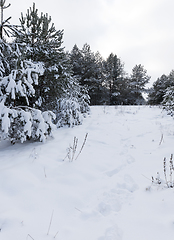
{"x": 105, "y": 194}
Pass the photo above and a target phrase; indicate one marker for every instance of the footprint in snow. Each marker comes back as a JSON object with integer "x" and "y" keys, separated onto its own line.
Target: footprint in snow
{"x": 128, "y": 184}
{"x": 88, "y": 214}
{"x": 130, "y": 159}
{"x": 114, "y": 171}
{"x": 112, "y": 233}
{"x": 110, "y": 204}
{"x": 104, "y": 209}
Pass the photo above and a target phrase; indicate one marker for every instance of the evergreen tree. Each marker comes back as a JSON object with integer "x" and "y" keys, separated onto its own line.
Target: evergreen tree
{"x": 168, "y": 100}
{"x": 72, "y": 108}
{"x": 100, "y": 90}
{"x": 76, "y": 58}
{"x": 138, "y": 80}
{"x": 88, "y": 64}
{"x": 93, "y": 74}
{"x": 43, "y": 44}
{"x": 157, "y": 91}
{"x": 159, "y": 88}
{"x": 87, "y": 68}
{"x": 18, "y": 121}
{"x": 114, "y": 81}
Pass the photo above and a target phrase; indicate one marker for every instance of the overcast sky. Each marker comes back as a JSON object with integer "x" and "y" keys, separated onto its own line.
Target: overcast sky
{"x": 138, "y": 31}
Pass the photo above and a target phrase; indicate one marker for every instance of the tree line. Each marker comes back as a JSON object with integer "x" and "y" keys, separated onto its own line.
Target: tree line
{"x": 106, "y": 80}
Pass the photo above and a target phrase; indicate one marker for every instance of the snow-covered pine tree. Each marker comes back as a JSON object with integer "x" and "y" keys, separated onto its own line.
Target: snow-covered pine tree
{"x": 168, "y": 100}
{"x": 43, "y": 44}
{"x": 73, "y": 107}
{"x": 159, "y": 88}
{"x": 137, "y": 82}
{"x": 18, "y": 120}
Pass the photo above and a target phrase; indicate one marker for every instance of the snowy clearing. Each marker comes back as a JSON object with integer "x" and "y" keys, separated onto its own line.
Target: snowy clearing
{"x": 103, "y": 195}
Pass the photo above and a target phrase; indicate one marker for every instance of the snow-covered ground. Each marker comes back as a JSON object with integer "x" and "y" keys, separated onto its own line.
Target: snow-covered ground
{"x": 105, "y": 194}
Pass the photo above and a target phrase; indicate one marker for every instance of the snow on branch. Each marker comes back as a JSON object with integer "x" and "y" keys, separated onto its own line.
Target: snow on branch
{"x": 22, "y": 123}
{"x": 20, "y": 82}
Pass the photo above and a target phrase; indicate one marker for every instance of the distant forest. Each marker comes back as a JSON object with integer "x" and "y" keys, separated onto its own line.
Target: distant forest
{"x": 108, "y": 83}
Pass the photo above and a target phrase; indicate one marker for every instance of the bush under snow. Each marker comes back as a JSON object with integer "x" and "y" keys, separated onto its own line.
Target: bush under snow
{"x": 68, "y": 113}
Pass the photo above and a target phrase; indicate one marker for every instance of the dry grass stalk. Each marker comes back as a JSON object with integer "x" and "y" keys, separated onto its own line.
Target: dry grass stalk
{"x": 165, "y": 171}
{"x": 50, "y": 222}
{"x": 56, "y": 234}
{"x": 171, "y": 170}
{"x": 162, "y": 137}
{"x": 30, "y": 236}
{"x": 71, "y": 151}
{"x": 74, "y": 148}
{"x": 82, "y": 146}
{"x": 45, "y": 173}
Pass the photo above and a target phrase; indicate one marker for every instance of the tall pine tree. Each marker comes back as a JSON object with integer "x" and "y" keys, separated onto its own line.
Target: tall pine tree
{"x": 43, "y": 43}
{"x": 114, "y": 72}
{"x": 88, "y": 68}
{"x": 138, "y": 80}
